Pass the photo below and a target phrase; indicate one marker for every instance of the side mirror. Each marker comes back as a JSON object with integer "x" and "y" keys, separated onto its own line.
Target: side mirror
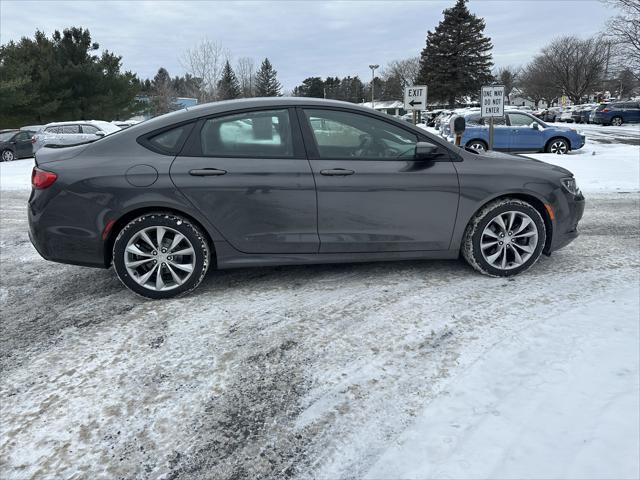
{"x": 426, "y": 151}
{"x": 535, "y": 126}
{"x": 100, "y": 134}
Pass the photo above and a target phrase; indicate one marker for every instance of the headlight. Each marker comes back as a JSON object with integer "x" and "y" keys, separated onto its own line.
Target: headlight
{"x": 570, "y": 185}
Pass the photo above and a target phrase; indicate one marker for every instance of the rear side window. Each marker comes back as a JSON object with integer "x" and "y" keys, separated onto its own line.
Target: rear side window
{"x": 169, "y": 141}
{"x": 53, "y": 130}
{"x": 252, "y": 134}
{"x": 70, "y": 129}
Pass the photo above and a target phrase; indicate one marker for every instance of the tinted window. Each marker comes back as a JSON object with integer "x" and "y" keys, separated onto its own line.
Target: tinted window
{"x": 53, "y": 129}
{"x": 6, "y": 136}
{"x": 601, "y": 107}
{"x": 520, "y": 120}
{"x": 89, "y": 129}
{"x": 22, "y": 136}
{"x": 70, "y": 129}
{"x": 473, "y": 119}
{"x": 496, "y": 121}
{"x": 169, "y": 140}
{"x": 251, "y": 134}
{"x": 351, "y": 135}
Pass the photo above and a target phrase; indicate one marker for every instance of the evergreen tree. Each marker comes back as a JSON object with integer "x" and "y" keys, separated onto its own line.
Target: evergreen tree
{"x": 62, "y": 78}
{"x": 457, "y": 60}
{"x": 163, "y": 98}
{"x": 228, "y": 85}
{"x": 311, "y": 87}
{"x": 267, "y": 84}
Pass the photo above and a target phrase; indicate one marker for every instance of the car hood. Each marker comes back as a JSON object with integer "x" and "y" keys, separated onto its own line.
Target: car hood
{"x": 50, "y": 154}
{"x": 523, "y": 160}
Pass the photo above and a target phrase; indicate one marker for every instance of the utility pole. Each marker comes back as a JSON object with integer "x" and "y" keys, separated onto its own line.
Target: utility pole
{"x": 373, "y": 77}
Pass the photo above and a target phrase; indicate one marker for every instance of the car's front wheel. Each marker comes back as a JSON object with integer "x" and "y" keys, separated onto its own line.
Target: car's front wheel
{"x": 8, "y": 156}
{"x": 161, "y": 255}
{"x": 504, "y": 238}
{"x": 477, "y": 145}
{"x": 559, "y": 146}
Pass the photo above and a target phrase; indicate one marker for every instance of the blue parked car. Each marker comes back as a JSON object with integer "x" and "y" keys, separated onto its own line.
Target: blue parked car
{"x": 520, "y": 132}
{"x": 617, "y": 113}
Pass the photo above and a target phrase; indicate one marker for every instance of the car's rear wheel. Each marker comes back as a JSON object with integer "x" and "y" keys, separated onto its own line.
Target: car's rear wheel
{"x": 504, "y": 238}
{"x": 617, "y": 121}
{"x": 7, "y": 156}
{"x": 477, "y": 145}
{"x": 559, "y": 146}
{"x": 161, "y": 255}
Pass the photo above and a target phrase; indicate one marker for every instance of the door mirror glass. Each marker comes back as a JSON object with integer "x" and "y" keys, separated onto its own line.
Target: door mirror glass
{"x": 100, "y": 133}
{"x": 426, "y": 151}
{"x": 535, "y": 126}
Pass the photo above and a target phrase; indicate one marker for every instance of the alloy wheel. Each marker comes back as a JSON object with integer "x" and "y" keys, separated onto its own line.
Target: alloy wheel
{"x": 509, "y": 240}
{"x": 616, "y": 122}
{"x": 7, "y": 156}
{"x": 559, "y": 147}
{"x": 477, "y": 146}
{"x": 159, "y": 258}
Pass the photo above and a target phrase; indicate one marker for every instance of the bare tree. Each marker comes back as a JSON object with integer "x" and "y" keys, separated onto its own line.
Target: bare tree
{"x": 624, "y": 32}
{"x": 535, "y": 83}
{"x": 405, "y": 70}
{"x": 206, "y": 61}
{"x": 246, "y": 72}
{"x": 507, "y": 76}
{"x": 576, "y": 66}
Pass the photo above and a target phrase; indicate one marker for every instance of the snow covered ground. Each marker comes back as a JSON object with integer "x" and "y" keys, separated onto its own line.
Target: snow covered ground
{"x": 382, "y": 370}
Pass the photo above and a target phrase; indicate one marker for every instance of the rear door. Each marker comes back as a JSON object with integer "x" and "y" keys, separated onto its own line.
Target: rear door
{"x": 248, "y": 174}
{"x": 23, "y": 144}
{"x": 373, "y": 195}
{"x": 71, "y": 134}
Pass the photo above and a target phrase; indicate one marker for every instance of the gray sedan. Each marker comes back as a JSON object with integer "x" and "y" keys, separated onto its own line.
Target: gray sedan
{"x": 285, "y": 181}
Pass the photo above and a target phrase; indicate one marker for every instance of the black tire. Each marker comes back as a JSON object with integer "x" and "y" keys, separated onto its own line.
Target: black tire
{"x": 617, "y": 121}
{"x": 7, "y": 156}
{"x": 558, "y": 145}
{"x": 474, "y": 144}
{"x": 194, "y": 235}
{"x": 471, "y": 250}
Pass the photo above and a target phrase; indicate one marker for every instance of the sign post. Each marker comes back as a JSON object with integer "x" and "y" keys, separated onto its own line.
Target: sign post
{"x": 415, "y": 99}
{"x": 492, "y": 105}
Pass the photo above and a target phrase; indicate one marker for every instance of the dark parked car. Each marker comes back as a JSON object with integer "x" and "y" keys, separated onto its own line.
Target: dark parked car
{"x": 581, "y": 113}
{"x": 617, "y": 113}
{"x": 15, "y": 144}
{"x": 285, "y": 181}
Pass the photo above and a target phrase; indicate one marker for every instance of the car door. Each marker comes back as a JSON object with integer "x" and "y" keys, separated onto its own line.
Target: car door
{"x": 631, "y": 112}
{"x": 23, "y": 144}
{"x": 373, "y": 195}
{"x": 501, "y": 133}
{"x": 89, "y": 132}
{"x": 248, "y": 174}
{"x": 525, "y": 133}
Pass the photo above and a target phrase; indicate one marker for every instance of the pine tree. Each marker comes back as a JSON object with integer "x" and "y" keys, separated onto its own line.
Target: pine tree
{"x": 457, "y": 60}
{"x": 228, "y": 85}
{"x": 267, "y": 84}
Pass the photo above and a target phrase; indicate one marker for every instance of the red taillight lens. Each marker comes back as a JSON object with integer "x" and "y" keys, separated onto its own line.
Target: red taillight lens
{"x": 605, "y": 110}
{"x": 33, "y": 139}
{"x": 42, "y": 179}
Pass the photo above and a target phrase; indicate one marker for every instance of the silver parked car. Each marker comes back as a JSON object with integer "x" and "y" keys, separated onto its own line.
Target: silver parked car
{"x": 70, "y": 133}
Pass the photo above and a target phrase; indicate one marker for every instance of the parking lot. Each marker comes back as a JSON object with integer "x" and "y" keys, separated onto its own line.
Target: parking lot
{"x": 321, "y": 371}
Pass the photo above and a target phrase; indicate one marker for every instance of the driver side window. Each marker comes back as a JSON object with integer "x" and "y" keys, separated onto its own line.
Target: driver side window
{"x": 341, "y": 135}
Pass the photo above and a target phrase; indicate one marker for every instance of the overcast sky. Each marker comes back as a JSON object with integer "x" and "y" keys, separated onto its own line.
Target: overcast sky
{"x": 301, "y": 39}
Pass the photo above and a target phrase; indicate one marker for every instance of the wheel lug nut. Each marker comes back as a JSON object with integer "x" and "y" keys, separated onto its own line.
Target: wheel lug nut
{"x": 154, "y": 253}
{"x": 500, "y": 243}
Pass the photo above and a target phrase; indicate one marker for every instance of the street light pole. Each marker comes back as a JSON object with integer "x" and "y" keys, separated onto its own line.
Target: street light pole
{"x": 373, "y": 77}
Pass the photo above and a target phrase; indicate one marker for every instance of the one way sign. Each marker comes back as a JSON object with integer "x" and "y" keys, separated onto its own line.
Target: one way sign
{"x": 415, "y": 97}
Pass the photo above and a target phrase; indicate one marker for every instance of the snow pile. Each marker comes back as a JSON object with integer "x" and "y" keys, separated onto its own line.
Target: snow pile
{"x": 600, "y": 167}
{"x": 16, "y": 175}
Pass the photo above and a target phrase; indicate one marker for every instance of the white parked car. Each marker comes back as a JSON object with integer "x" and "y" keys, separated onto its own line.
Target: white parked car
{"x": 69, "y": 133}
{"x": 565, "y": 116}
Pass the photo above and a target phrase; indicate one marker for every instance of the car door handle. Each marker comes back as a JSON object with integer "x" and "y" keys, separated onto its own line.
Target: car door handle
{"x": 337, "y": 172}
{"x": 207, "y": 172}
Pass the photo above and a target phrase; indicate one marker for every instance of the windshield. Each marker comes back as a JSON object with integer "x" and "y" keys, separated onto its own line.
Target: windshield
{"x": 6, "y": 136}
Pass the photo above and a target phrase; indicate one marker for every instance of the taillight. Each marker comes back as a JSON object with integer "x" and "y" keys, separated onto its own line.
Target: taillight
{"x": 605, "y": 110}
{"x": 33, "y": 139}
{"x": 41, "y": 179}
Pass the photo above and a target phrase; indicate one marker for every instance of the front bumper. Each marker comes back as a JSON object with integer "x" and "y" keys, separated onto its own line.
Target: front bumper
{"x": 568, "y": 213}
